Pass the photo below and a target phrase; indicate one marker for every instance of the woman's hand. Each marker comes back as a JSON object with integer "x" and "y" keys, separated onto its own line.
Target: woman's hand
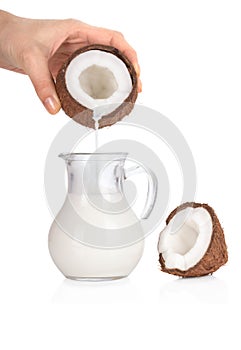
{"x": 38, "y": 48}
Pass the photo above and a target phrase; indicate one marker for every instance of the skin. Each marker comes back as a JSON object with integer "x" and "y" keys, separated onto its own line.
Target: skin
{"x": 38, "y": 48}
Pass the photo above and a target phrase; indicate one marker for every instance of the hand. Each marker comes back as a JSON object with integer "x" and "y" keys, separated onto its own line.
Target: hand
{"x": 38, "y": 48}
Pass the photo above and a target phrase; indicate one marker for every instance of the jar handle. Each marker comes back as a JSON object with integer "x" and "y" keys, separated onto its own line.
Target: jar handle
{"x": 151, "y": 189}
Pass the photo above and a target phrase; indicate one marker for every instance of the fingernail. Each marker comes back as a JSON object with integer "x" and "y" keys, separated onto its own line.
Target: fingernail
{"x": 52, "y": 105}
{"x": 137, "y": 68}
{"x": 139, "y": 86}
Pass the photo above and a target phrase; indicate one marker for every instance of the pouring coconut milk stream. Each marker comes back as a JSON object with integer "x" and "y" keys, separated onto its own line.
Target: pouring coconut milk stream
{"x": 97, "y": 117}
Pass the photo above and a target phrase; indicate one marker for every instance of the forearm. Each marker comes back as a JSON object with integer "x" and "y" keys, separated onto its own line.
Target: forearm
{"x": 5, "y": 17}
{"x": 8, "y": 24}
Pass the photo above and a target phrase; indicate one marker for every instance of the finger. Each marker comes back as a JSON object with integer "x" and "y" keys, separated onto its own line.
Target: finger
{"x": 36, "y": 66}
{"x": 115, "y": 39}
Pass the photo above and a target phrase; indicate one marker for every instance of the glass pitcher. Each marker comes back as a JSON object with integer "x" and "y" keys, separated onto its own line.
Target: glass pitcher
{"x": 96, "y": 235}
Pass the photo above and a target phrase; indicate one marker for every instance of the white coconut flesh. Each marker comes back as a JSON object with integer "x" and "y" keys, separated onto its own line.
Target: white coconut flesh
{"x": 186, "y": 238}
{"x": 97, "y": 78}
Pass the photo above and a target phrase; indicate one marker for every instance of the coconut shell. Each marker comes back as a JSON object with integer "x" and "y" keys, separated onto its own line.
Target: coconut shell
{"x": 216, "y": 254}
{"x": 82, "y": 114}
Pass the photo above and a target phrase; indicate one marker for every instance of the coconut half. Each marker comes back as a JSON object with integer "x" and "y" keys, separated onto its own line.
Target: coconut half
{"x": 97, "y": 78}
{"x": 192, "y": 243}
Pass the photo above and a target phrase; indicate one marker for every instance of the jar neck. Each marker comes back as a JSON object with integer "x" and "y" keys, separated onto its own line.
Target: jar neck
{"x": 95, "y": 177}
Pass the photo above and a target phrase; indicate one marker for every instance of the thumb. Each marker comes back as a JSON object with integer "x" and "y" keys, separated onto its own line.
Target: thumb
{"x": 37, "y": 69}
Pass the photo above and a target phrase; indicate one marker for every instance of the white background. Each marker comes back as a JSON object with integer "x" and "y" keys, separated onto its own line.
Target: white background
{"x": 190, "y": 57}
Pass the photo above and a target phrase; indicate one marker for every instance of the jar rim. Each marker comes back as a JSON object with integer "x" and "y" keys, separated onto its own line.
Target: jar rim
{"x": 93, "y": 156}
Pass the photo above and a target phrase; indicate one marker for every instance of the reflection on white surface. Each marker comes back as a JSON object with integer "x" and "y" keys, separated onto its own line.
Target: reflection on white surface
{"x": 207, "y": 289}
{"x": 80, "y": 292}
{"x": 202, "y": 290}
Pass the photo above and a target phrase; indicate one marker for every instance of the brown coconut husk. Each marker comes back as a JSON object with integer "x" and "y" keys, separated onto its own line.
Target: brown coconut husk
{"x": 83, "y": 115}
{"x": 216, "y": 254}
